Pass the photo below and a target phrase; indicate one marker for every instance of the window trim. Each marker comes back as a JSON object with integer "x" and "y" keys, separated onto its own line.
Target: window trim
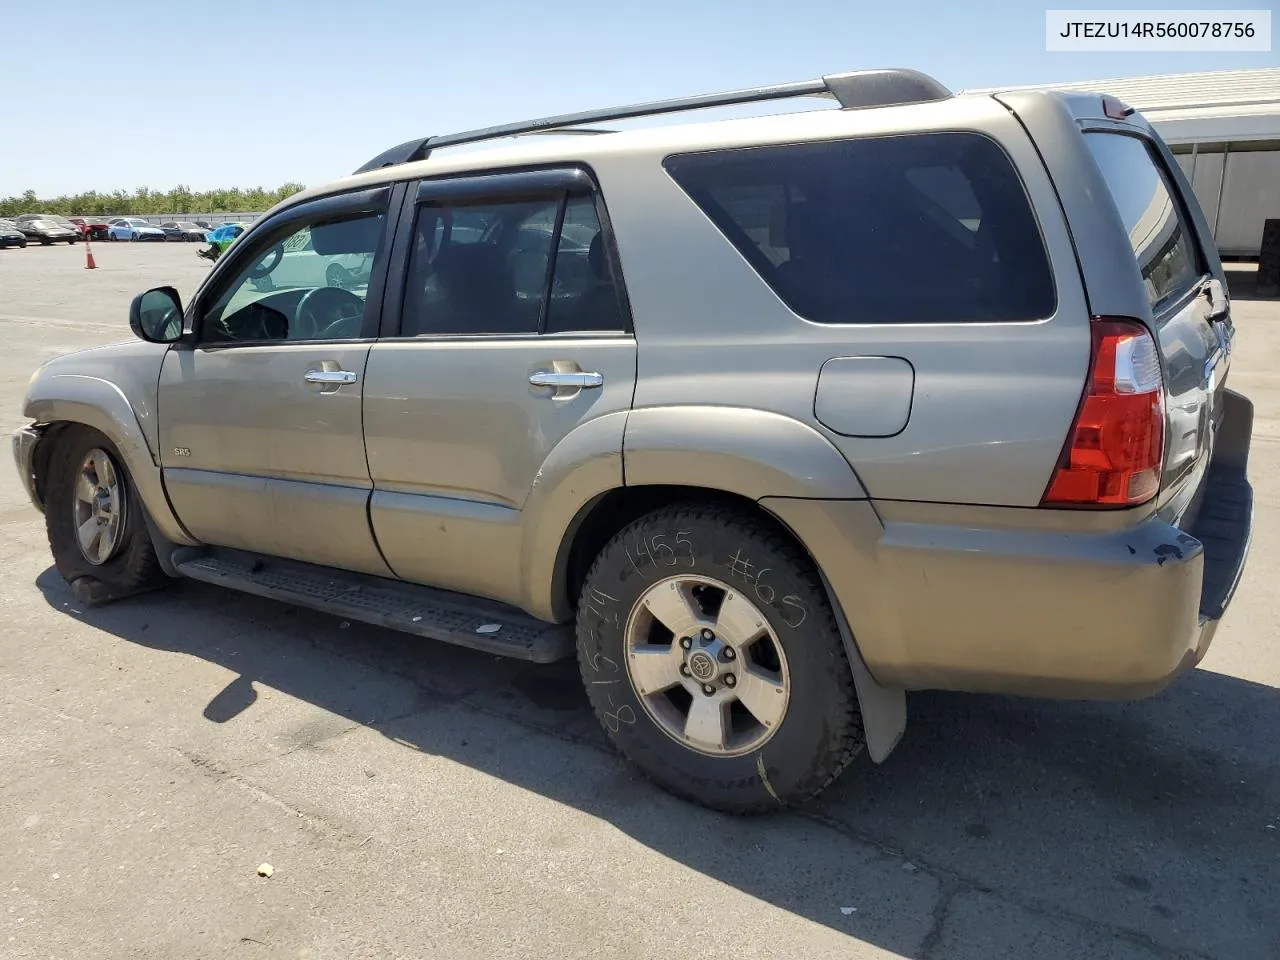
{"x": 265, "y": 231}
{"x": 503, "y": 185}
{"x": 1172, "y": 303}
{"x": 553, "y": 257}
{"x": 750, "y": 259}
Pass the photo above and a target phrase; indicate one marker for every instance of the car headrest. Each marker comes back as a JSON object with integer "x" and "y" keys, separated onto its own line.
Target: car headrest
{"x": 595, "y": 257}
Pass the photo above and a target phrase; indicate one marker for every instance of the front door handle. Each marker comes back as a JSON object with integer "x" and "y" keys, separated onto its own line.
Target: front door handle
{"x": 575, "y": 380}
{"x": 330, "y": 376}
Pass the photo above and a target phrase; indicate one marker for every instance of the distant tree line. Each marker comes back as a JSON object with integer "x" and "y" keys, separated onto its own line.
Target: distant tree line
{"x": 147, "y": 201}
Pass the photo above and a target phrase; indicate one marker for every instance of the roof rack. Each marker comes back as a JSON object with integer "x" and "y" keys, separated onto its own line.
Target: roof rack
{"x": 861, "y": 88}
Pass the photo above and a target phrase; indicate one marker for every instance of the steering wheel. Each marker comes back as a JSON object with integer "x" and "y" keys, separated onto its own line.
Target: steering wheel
{"x": 328, "y": 313}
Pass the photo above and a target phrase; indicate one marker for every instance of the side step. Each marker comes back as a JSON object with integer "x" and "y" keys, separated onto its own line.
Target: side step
{"x": 436, "y": 614}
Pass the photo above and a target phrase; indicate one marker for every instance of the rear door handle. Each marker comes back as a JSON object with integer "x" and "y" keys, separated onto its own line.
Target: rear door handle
{"x": 576, "y": 380}
{"x": 330, "y": 376}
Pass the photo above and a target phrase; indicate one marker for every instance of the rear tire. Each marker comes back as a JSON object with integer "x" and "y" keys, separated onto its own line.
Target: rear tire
{"x": 777, "y": 715}
{"x": 82, "y": 490}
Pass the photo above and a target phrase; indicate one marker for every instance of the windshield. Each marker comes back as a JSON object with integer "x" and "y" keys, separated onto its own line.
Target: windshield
{"x": 45, "y": 224}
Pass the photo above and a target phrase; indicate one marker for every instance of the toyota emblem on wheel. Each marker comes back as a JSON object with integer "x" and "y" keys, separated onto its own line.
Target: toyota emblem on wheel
{"x": 702, "y": 666}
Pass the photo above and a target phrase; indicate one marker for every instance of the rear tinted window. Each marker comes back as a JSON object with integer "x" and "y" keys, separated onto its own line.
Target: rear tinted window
{"x": 1161, "y": 243}
{"x": 928, "y": 228}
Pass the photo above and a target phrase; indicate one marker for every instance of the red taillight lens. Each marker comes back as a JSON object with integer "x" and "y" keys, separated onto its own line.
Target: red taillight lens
{"x": 1115, "y": 451}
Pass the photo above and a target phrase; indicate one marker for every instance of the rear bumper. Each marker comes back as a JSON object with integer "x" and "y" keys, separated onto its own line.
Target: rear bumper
{"x": 1224, "y": 523}
{"x": 988, "y": 603}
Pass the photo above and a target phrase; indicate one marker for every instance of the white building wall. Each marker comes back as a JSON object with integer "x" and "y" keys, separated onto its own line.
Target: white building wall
{"x": 1225, "y": 128}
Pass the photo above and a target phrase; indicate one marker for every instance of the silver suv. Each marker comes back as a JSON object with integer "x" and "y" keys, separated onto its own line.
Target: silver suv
{"x": 769, "y": 420}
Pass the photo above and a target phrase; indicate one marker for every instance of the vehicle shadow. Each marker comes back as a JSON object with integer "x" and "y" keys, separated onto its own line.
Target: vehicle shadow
{"x": 1149, "y": 825}
{"x": 1242, "y": 281}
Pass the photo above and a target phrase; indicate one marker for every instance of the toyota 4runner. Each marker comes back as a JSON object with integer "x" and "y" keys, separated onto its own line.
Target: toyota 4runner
{"x": 769, "y": 420}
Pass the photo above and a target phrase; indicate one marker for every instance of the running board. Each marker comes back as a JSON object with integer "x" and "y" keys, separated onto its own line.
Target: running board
{"x": 436, "y": 614}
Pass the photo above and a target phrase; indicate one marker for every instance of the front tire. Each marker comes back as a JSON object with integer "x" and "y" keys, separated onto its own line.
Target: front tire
{"x": 713, "y": 660}
{"x": 95, "y": 522}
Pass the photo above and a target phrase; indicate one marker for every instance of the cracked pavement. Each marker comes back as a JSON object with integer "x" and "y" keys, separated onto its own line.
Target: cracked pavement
{"x": 417, "y": 800}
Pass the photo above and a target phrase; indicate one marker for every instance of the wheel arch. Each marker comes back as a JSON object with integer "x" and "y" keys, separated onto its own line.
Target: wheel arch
{"x": 750, "y": 452}
{"x": 102, "y": 406}
{"x": 714, "y": 452}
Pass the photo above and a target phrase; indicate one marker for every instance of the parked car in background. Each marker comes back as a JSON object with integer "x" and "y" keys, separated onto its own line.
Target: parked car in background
{"x": 184, "y": 230}
{"x": 10, "y": 235}
{"x": 205, "y": 224}
{"x": 52, "y": 217}
{"x": 48, "y": 230}
{"x": 91, "y": 228}
{"x": 132, "y": 228}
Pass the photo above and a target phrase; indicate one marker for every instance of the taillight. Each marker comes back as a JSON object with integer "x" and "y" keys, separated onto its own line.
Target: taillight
{"x": 1115, "y": 450}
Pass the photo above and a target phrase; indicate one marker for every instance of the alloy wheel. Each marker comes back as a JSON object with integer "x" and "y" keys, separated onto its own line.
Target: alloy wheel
{"x": 706, "y": 665}
{"x": 98, "y": 507}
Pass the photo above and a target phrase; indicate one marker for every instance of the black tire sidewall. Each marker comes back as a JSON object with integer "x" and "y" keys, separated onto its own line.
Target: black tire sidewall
{"x": 134, "y": 558}
{"x": 810, "y": 745}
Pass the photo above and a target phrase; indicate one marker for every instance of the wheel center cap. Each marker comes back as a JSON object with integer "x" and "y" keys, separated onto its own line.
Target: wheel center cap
{"x": 703, "y": 666}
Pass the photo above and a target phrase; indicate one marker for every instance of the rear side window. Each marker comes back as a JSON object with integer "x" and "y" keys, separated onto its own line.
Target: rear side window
{"x": 475, "y": 271}
{"x": 926, "y": 228}
{"x": 511, "y": 268}
{"x": 1162, "y": 244}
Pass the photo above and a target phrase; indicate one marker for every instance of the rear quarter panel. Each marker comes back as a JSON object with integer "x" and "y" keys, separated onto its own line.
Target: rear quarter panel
{"x": 993, "y": 402}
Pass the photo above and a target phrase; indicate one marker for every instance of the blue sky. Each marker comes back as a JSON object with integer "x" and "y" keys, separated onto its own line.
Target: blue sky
{"x": 258, "y": 92}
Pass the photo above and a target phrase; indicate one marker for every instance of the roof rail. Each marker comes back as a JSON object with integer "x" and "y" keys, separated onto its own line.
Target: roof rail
{"x": 861, "y": 88}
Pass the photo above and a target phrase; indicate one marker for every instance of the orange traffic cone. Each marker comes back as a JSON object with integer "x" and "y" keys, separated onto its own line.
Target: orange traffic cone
{"x": 88, "y": 256}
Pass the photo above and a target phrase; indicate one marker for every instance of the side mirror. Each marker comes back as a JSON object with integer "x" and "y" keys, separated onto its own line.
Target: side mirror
{"x": 156, "y": 316}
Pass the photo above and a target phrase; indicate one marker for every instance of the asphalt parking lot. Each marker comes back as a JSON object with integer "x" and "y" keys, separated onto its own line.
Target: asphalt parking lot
{"x": 417, "y": 800}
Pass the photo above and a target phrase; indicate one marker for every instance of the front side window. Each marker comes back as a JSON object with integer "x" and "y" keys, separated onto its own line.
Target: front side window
{"x": 488, "y": 269}
{"x": 309, "y": 284}
{"x": 924, "y": 228}
{"x": 1163, "y": 246}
